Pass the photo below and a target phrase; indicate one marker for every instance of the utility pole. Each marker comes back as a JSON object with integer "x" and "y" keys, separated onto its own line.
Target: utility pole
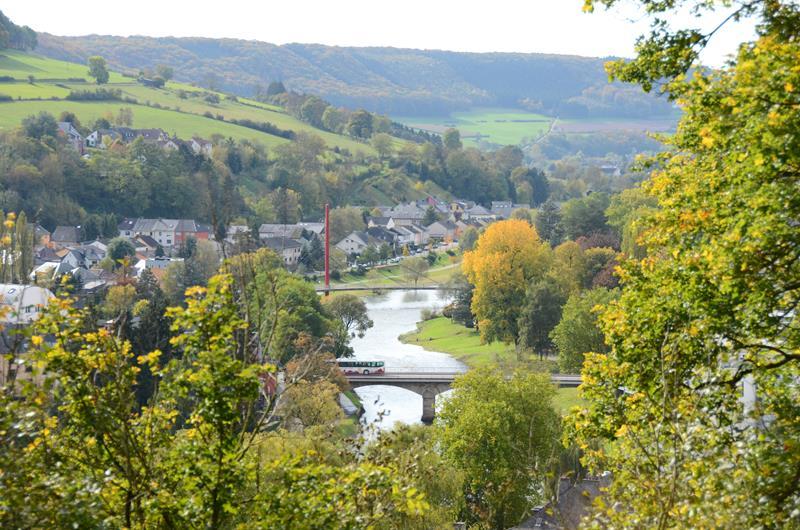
{"x": 327, "y": 250}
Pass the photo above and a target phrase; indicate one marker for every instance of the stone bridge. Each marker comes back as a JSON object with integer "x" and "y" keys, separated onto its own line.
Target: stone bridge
{"x": 431, "y": 384}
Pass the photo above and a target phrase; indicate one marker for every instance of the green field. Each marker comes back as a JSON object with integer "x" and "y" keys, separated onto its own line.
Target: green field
{"x": 394, "y": 275}
{"x": 441, "y": 334}
{"x": 493, "y": 125}
{"x": 20, "y": 65}
{"x": 183, "y": 125}
{"x": 180, "y": 116}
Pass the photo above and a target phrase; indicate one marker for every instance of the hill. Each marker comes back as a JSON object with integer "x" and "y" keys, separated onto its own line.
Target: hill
{"x": 177, "y": 108}
{"x": 388, "y": 80}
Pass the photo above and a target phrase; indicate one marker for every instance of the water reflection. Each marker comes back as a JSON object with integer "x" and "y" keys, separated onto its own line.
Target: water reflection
{"x": 395, "y": 313}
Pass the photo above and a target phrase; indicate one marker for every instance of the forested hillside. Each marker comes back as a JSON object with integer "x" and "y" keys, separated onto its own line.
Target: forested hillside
{"x": 387, "y": 80}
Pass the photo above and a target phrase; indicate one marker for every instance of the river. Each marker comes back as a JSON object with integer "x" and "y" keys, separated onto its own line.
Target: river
{"x": 393, "y": 314}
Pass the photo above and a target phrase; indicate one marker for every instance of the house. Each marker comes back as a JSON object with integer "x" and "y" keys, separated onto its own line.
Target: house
{"x": 405, "y": 214}
{"x": 64, "y": 236}
{"x": 166, "y": 232}
{"x": 101, "y": 137}
{"x": 22, "y": 304}
{"x": 503, "y": 209}
{"x": 41, "y": 235}
{"x": 291, "y": 231}
{"x": 170, "y": 144}
{"x": 200, "y": 146}
{"x": 442, "y": 230}
{"x": 70, "y": 133}
{"x": 573, "y": 502}
{"x": 384, "y": 235}
{"x": 159, "y": 263}
{"x": 611, "y": 170}
{"x": 404, "y": 235}
{"x": 93, "y": 253}
{"x": 476, "y": 211}
{"x": 45, "y": 255}
{"x": 151, "y": 135}
{"x": 289, "y": 249}
{"x": 356, "y": 242}
{"x": 385, "y": 222}
{"x": 145, "y": 245}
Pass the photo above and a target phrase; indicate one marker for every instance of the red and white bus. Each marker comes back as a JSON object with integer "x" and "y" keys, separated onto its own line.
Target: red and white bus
{"x": 361, "y": 367}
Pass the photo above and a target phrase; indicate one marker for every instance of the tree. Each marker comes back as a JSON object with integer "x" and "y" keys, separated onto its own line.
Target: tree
{"x": 383, "y": 144}
{"x": 503, "y": 436}
{"x": 578, "y": 332}
{"x": 164, "y": 72}
{"x": 351, "y": 312}
{"x": 344, "y": 221}
{"x": 286, "y": 205}
{"x": 548, "y": 222}
{"x": 334, "y": 119}
{"x": 312, "y": 111}
{"x": 468, "y": 239}
{"x": 703, "y": 339}
{"x": 360, "y": 124}
{"x": 120, "y": 248}
{"x": 98, "y": 69}
{"x": 522, "y": 214}
{"x": 312, "y": 404}
{"x": 275, "y": 88}
{"x": 627, "y": 213}
{"x": 415, "y": 268}
{"x": 124, "y": 117}
{"x": 452, "y": 140}
{"x": 40, "y": 126}
{"x": 430, "y": 216}
{"x": 508, "y": 256}
{"x": 540, "y": 314}
{"x": 585, "y": 216}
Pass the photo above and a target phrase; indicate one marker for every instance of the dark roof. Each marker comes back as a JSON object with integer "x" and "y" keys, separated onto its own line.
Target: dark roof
{"x": 147, "y": 240}
{"x": 127, "y": 224}
{"x": 382, "y": 233}
{"x": 70, "y": 234}
{"x": 281, "y": 243}
{"x": 574, "y": 501}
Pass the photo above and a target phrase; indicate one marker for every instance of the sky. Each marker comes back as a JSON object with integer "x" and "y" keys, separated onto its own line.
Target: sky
{"x": 543, "y": 26}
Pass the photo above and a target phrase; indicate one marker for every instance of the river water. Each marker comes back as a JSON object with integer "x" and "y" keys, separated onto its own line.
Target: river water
{"x": 393, "y": 314}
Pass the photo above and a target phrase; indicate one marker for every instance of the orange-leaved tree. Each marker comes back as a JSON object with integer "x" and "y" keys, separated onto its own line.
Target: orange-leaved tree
{"x": 506, "y": 258}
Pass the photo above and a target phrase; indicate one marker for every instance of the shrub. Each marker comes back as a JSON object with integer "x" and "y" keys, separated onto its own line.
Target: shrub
{"x": 4, "y": 97}
{"x": 98, "y": 94}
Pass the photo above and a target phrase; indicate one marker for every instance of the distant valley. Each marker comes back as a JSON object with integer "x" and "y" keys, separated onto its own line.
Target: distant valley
{"x": 398, "y": 82}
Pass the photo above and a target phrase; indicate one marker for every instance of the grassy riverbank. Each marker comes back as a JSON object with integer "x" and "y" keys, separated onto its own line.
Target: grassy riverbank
{"x": 441, "y": 334}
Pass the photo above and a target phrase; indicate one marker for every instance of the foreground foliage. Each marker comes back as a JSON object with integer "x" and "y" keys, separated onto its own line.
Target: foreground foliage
{"x": 76, "y": 450}
{"x": 697, "y": 401}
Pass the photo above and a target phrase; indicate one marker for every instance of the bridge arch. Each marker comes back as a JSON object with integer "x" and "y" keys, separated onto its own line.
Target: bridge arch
{"x": 428, "y": 391}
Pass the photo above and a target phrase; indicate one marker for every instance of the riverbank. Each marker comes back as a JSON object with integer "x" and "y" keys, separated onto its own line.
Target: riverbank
{"x": 442, "y": 335}
{"x": 440, "y": 272}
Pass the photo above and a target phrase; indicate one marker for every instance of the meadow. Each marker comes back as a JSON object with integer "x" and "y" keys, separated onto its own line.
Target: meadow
{"x": 494, "y": 125}
{"x": 183, "y": 116}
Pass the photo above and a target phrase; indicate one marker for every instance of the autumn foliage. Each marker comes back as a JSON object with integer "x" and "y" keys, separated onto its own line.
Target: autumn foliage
{"x": 507, "y": 256}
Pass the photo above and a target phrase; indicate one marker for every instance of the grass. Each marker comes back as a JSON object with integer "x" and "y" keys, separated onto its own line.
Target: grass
{"x": 394, "y": 275}
{"x": 48, "y": 72}
{"x": 566, "y": 398}
{"x": 183, "y": 125}
{"x": 499, "y": 126}
{"x": 20, "y": 65}
{"x": 442, "y": 335}
{"x": 26, "y": 90}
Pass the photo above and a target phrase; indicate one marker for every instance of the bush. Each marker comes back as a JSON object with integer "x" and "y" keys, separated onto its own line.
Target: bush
{"x": 266, "y": 127}
{"x": 336, "y": 275}
{"x": 208, "y": 115}
{"x": 4, "y": 97}
{"x": 98, "y": 94}
{"x": 429, "y": 314}
{"x": 6, "y": 79}
{"x": 450, "y": 252}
